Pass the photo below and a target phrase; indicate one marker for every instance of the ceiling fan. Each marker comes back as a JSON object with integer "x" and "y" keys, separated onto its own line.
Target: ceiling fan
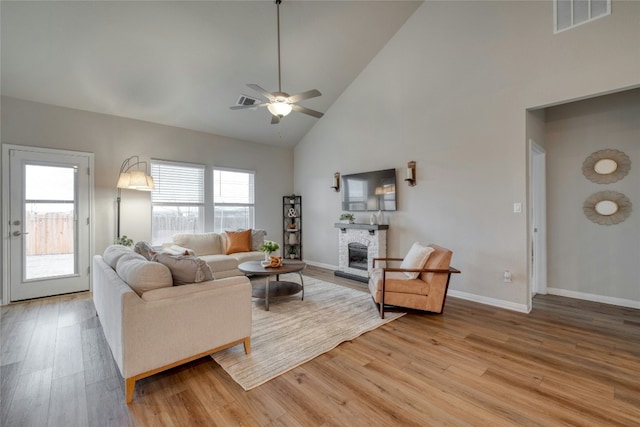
{"x": 281, "y": 103}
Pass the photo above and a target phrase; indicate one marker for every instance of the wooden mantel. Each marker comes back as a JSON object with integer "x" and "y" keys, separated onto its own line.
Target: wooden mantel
{"x": 343, "y": 226}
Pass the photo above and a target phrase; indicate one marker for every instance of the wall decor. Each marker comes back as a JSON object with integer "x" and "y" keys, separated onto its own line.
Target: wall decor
{"x": 607, "y": 207}
{"x": 606, "y": 166}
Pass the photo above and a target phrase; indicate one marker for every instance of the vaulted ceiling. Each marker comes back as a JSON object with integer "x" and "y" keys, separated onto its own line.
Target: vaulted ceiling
{"x": 184, "y": 63}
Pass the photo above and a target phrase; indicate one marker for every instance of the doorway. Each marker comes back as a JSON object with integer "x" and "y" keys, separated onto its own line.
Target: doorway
{"x": 538, "y": 219}
{"x": 47, "y": 218}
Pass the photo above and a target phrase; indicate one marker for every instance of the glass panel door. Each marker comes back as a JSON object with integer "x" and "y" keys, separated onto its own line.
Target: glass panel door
{"x": 49, "y": 232}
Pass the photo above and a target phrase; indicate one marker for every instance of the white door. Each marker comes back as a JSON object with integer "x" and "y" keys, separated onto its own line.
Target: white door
{"x": 49, "y": 238}
{"x": 538, "y": 219}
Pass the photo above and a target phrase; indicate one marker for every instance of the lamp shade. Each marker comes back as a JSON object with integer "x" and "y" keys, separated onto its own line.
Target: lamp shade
{"x": 136, "y": 180}
{"x": 279, "y": 108}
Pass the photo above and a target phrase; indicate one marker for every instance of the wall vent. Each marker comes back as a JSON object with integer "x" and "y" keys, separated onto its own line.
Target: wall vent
{"x": 247, "y": 100}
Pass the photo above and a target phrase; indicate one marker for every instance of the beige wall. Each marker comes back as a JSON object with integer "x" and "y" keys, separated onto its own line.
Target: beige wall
{"x": 587, "y": 259}
{"x": 113, "y": 139}
{"x": 450, "y": 91}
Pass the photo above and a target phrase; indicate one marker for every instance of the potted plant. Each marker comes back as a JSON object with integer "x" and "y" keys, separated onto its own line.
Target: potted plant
{"x": 292, "y": 198}
{"x": 124, "y": 241}
{"x": 347, "y": 218}
{"x": 267, "y": 247}
{"x": 292, "y": 252}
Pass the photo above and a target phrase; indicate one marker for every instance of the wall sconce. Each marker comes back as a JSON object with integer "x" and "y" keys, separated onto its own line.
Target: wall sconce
{"x": 411, "y": 174}
{"x": 336, "y": 182}
{"x": 133, "y": 176}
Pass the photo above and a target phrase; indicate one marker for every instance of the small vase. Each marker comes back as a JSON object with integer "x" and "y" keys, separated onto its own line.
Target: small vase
{"x": 380, "y": 217}
{"x": 267, "y": 256}
{"x": 372, "y": 219}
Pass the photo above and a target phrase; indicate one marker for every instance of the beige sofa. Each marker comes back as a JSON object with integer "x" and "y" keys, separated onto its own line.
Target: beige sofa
{"x": 152, "y": 326}
{"x": 211, "y": 247}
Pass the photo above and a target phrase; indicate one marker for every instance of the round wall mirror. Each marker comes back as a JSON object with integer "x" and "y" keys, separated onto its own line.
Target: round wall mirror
{"x": 605, "y": 166}
{"x": 606, "y": 207}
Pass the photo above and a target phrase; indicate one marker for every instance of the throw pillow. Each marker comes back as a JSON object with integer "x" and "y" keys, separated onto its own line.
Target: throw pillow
{"x": 257, "y": 239}
{"x": 185, "y": 269}
{"x": 238, "y": 241}
{"x": 145, "y": 249}
{"x": 416, "y": 258}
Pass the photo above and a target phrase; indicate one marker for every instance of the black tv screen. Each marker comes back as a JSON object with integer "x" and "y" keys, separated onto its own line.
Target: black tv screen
{"x": 369, "y": 191}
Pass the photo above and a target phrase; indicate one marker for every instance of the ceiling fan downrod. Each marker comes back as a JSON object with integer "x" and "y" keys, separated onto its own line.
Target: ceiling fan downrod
{"x": 277, "y": 2}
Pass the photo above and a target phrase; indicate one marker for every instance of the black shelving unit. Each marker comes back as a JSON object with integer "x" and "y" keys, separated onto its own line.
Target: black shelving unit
{"x": 292, "y": 227}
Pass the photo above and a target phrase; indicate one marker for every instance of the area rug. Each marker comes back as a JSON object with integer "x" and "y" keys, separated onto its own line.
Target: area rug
{"x": 293, "y": 332}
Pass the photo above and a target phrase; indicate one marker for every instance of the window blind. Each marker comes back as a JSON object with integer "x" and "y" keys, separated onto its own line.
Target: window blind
{"x": 177, "y": 183}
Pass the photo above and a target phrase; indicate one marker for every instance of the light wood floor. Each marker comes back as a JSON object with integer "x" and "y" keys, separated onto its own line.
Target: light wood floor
{"x": 569, "y": 362}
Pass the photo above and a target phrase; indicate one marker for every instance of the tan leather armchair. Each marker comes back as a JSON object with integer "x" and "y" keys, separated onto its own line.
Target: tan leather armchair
{"x": 390, "y": 286}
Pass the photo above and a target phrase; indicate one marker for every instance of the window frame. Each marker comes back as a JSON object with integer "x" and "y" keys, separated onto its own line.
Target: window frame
{"x": 252, "y": 220}
{"x": 207, "y": 208}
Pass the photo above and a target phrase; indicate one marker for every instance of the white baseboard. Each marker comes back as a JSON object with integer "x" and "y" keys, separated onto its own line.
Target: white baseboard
{"x": 595, "y": 298}
{"x": 321, "y": 265}
{"x": 522, "y": 308}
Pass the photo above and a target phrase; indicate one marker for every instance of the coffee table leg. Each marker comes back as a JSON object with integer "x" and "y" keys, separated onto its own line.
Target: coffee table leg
{"x": 302, "y": 283}
{"x": 266, "y": 295}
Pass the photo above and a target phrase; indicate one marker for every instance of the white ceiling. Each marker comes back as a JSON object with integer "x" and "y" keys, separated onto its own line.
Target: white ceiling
{"x": 185, "y": 63}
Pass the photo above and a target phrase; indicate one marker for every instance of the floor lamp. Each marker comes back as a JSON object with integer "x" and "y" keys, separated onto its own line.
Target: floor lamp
{"x": 133, "y": 176}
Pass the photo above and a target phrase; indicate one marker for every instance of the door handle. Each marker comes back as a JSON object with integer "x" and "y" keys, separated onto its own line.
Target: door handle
{"x": 19, "y": 233}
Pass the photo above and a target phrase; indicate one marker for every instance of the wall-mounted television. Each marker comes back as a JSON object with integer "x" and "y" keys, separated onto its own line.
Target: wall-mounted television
{"x": 369, "y": 191}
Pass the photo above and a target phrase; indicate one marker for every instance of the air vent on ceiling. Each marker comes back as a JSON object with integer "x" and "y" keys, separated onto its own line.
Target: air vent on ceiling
{"x": 247, "y": 100}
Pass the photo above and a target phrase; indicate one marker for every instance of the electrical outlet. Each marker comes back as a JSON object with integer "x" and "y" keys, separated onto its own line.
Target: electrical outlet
{"x": 506, "y": 276}
{"x": 517, "y": 208}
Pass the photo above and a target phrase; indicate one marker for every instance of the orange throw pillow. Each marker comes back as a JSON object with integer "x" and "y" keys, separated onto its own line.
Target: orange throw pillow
{"x": 238, "y": 241}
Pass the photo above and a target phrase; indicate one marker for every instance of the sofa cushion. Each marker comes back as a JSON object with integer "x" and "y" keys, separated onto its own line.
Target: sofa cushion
{"x": 113, "y": 253}
{"x": 145, "y": 249}
{"x": 142, "y": 275}
{"x": 248, "y": 256}
{"x": 200, "y": 243}
{"x": 238, "y": 241}
{"x": 185, "y": 269}
{"x": 416, "y": 258}
{"x": 220, "y": 262}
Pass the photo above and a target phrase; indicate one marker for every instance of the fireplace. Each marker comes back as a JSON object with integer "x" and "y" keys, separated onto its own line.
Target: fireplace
{"x": 358, "y": 245}
{"x": 358, "y": 256}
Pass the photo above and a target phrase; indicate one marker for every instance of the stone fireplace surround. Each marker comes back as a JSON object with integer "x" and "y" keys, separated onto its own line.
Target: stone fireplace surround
{"x": 374, "y": 237}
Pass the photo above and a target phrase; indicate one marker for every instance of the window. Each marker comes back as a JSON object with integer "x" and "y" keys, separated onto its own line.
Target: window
{"x": 570, "y": 13}
{"x": 177, "y": 202}
{"x": 233, "y": 200}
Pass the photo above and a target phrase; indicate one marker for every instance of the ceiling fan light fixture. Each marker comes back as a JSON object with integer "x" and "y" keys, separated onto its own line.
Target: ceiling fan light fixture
{"x": 279, "y": 108}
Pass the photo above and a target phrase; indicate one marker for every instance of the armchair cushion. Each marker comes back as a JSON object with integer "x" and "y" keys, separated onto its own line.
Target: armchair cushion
{"x": 416, "y": 259}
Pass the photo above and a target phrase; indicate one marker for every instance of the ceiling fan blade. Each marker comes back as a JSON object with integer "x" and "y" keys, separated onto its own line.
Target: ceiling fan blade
{"x": 262, "y": 91}
{"x": 244, "y": 107}
{"x": 305, "y": 110}
{"x": 304, "y": 95}
{"x": 275, "y": 120}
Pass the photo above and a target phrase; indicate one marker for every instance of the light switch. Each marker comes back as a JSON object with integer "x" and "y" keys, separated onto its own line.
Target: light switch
{"x": 517, "y": 208}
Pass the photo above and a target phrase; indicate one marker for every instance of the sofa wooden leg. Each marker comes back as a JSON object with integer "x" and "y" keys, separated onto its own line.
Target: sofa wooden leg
{"x": 247, "y": 345}
{"x": 129, "y": 387}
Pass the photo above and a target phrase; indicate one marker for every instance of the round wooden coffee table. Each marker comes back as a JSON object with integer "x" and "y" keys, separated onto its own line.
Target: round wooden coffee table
{"x": 274, "y": 288}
